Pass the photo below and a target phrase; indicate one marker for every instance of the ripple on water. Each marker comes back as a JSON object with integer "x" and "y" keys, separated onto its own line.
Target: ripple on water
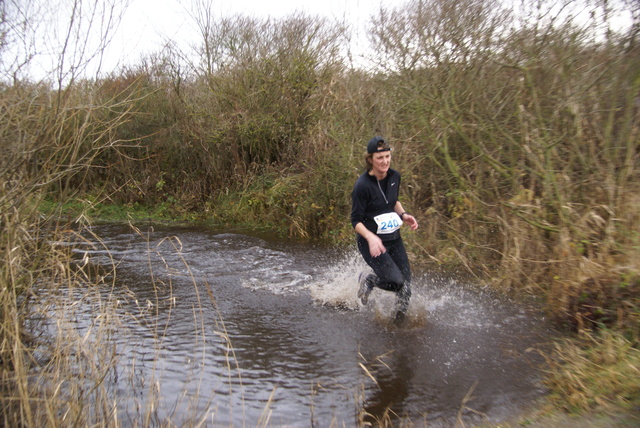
{"x": 232, "y": 324}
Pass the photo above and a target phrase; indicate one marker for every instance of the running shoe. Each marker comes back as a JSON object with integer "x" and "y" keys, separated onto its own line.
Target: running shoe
{"x": 364, "y": 288}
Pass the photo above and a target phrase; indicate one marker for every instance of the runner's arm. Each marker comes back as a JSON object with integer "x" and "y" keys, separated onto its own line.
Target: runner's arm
{"x": 406, "y": 217}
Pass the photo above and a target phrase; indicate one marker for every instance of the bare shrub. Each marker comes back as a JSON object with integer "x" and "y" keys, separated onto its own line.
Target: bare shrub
{"x": 265, "y": 83}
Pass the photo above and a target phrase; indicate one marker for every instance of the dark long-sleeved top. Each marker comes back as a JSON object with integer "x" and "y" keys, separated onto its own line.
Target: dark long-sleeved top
{"x": 371, "y": 198}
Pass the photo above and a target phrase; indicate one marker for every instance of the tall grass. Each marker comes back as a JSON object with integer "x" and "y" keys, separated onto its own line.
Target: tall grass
{"x": 50, "y": 370}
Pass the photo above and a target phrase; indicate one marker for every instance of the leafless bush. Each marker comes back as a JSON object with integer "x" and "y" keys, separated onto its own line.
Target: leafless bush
{"x": 265, "y": 81}
{"x": 51, "y": 131}
{"x": 519, "y": 130}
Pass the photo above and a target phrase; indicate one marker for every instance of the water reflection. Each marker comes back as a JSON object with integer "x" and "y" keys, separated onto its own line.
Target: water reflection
{"x": 392, "y": 377}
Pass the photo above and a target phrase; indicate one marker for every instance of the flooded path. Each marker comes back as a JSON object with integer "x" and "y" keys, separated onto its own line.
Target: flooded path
{"x": 230, "y": 329}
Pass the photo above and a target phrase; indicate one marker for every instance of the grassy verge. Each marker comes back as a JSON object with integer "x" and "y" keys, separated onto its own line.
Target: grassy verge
{"x": 592, "y": 381}
{"x": 596, "y": 372}
{"x": 101, "y": 212}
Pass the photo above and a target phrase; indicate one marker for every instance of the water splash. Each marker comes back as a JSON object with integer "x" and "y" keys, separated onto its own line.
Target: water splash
{"x": 338, "y": 286}
{"x": 436, "y": 299}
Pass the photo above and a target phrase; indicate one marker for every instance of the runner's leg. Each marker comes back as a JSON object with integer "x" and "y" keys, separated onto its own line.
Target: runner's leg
{"x": 388, "y": 275}
{"x": 398, "y": 253}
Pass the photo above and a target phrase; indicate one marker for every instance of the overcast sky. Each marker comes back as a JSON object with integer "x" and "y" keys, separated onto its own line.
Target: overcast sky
{"x": 147, "y": 23}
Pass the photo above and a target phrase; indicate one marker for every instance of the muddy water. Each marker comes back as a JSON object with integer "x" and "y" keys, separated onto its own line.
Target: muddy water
{"x": 235, "y": 329}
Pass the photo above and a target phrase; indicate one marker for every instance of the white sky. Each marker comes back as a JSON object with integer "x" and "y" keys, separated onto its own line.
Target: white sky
{"x": 147, "y": 23}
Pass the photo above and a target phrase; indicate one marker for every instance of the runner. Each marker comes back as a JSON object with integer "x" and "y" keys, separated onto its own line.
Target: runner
{"x": 376, "y": 216}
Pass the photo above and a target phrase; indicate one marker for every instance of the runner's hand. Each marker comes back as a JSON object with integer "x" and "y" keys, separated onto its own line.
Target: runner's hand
{"x": 376, "y": 247}
{"x": 411, "y": 221}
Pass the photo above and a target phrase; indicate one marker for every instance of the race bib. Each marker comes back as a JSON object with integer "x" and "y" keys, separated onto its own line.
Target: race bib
{"x": 388, "y": 223}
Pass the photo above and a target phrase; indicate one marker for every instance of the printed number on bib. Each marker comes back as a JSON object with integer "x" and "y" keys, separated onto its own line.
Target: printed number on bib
{"x": 388, "y": 223}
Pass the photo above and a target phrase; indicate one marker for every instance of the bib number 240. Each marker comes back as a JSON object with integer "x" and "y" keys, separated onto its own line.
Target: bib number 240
{"x": 388, "y": 223}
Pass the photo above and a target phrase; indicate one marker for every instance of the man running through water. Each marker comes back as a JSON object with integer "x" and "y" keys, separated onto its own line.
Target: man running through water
{"x": 376, "y": 216}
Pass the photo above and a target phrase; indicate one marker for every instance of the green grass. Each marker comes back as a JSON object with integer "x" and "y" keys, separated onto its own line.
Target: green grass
{"x": 98, "y": 211}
